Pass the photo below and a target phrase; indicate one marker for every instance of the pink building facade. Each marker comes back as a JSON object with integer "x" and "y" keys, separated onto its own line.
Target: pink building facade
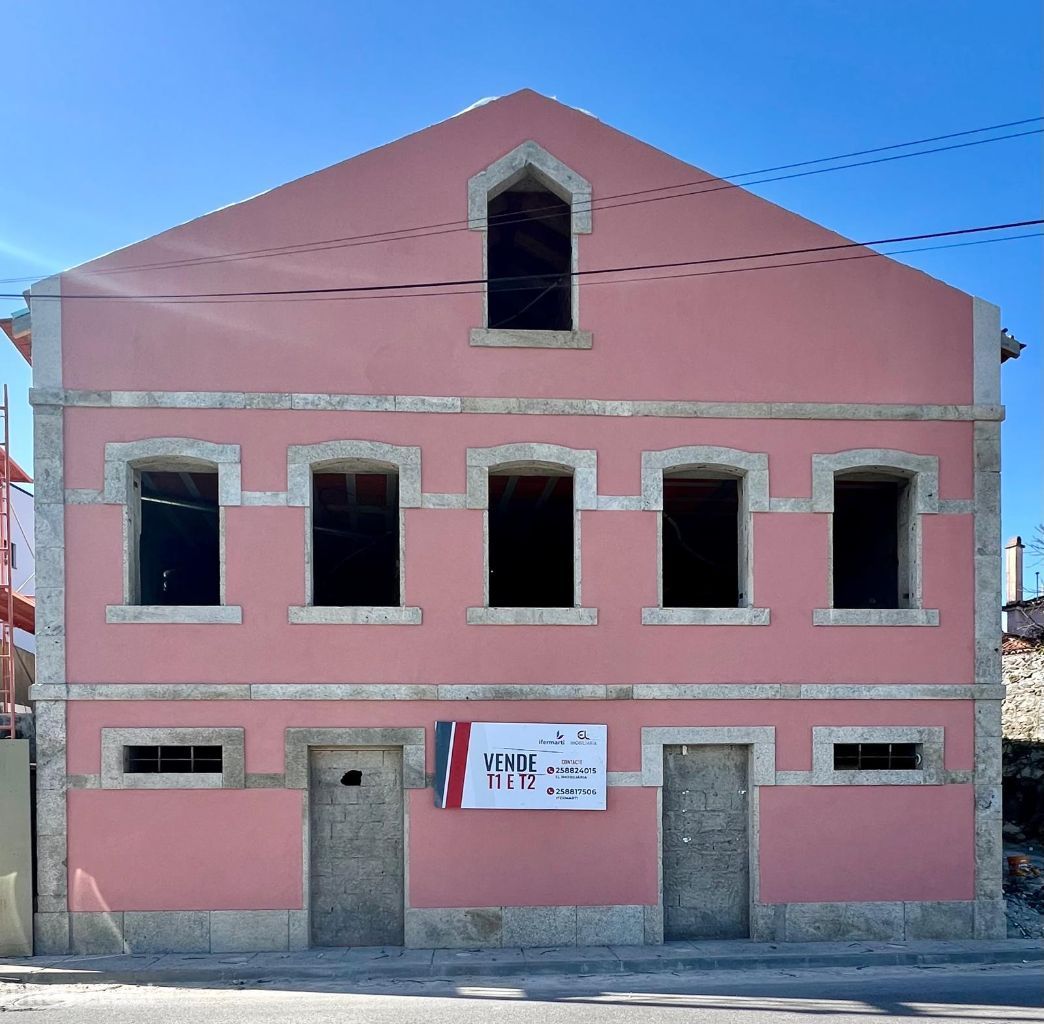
{"x": 759, "y": 718}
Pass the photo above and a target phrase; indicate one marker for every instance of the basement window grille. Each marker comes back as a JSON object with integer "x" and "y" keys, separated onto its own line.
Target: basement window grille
{"x": 877, "y": 757}
{"x": 155, "y": 760}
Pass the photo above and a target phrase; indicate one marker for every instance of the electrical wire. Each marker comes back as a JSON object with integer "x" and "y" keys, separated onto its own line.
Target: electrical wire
{"x": 446, "y": 227}
{"x": 591, "y": 272}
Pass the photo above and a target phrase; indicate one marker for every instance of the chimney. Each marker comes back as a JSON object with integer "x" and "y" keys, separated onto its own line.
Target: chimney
{"x": 1013, "y": 570}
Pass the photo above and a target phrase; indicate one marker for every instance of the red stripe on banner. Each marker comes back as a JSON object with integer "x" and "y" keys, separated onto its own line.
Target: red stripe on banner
{"x": 458, "y": 764}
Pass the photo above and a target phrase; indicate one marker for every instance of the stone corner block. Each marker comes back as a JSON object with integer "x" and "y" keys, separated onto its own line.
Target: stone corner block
{"x": 990, "y": 919}
{"x": 50, "y": 934}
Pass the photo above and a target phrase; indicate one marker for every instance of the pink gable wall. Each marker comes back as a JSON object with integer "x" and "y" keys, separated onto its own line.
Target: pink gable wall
{"x": 870, "y": 331}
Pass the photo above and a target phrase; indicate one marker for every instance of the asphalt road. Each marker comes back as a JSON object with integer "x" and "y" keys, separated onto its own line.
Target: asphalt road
{"x": 1011, "y": 994}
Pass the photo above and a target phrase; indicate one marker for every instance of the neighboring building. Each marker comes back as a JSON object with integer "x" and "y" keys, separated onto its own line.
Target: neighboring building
{"x": 747, "y": 520}
{"x": 1023, "y": 613}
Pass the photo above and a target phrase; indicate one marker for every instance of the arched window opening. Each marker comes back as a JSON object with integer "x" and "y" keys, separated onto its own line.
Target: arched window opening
{"x": 872, "y": 541}
{"x": 529, "y": 254}
{"x": 531, "y": 526}
{"x": 701, "y": 544}
{"x": 179, "y": 536}
{"x": 355, "y": 536}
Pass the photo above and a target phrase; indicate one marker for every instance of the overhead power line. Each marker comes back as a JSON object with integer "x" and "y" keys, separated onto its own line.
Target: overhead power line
{"x": 376, "y": 289}
{"x": 631, "y": 280}
{"x": 636, "y": 197}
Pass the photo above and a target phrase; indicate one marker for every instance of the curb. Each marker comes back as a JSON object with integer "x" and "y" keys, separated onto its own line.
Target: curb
{"x": 487, "y": 964}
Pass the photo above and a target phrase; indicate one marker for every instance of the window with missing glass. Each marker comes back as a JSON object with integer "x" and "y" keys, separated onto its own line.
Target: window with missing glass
{"x": 861, "y": 757}
{"x": 181, "y": 759}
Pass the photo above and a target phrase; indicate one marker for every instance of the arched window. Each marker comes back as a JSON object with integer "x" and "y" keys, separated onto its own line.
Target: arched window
{"x": 706, "y": 497}
{"x": 355, "y": 535}
{"x": 875, "y": 498}
{"x": 355, "y": 494}
{"x": 531, "y": 209}
{"x": 174, "y": 492}
{"x": 532, "y": 496}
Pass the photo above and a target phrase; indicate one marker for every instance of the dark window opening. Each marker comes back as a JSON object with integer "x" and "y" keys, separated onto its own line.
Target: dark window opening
{"x": 700, "y": 543}
{"x": 355, "y": 539}
{"x": 529, "y": 238}
{"x": 877, "y": 757}
{"x": 867, "y": 544}
{"x": 352, "y": 777}
{"x": 179, "y": 547}
{"x": 530, "y": 541}
{"x": 152, "y": 760}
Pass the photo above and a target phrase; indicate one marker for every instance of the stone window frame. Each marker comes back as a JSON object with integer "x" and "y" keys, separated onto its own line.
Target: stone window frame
{"x": 761, "y": 741}
{"x": 531, "y": 158}
{"x": 298, "y": 744}
{"x": 930, "y": 737}
{"x": 124, "y": 460}
{"x": 921, "y": 498}
{"x": 231, "y": 741}
{"x": 583, "y": 463}
{"x": 751, "y": 470}
{"x": 302, "y": 462}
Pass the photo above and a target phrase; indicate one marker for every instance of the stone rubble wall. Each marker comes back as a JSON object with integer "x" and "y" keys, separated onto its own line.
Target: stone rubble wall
{"x": 1022, "y": 714}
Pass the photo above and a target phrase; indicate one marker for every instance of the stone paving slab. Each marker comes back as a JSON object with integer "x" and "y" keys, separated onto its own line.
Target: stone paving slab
{"x": 359, "y": 964}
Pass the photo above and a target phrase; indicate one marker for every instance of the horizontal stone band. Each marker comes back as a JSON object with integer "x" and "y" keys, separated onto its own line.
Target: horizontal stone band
{"x": 509, "y": 691}
{"x": 511, "y": 406}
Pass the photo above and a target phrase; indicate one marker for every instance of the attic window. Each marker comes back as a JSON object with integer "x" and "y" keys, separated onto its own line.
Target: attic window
{"x": 529, "y": 255}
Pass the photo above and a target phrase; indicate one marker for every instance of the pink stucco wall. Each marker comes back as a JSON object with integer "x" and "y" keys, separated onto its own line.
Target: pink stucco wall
{"x": 866, "y": 331}
{"x": 869, "y": 331}
{"x": 125, "y": 846}
{"x": 184, "y": 849}
{"x": 265, "y": 564}
{"x": 838, "y": 843}
{"x": 266, "y": 721}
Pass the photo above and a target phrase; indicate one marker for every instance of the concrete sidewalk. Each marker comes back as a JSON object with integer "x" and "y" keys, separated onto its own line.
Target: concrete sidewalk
{"x": 358, "y": 964}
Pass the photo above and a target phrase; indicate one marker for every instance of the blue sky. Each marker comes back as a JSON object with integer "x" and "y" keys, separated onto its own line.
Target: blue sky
{"x": 125, "y": 118}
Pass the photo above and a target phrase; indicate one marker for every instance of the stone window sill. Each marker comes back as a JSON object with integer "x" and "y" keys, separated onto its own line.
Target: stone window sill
{"x": 192, "y": 614}
{"x": 358, "y": 615}
{"x": 875, "y": 617}
{"x": 705, "y": 616}
{"x": 532, "y": 616}
{"x": 488, "y": 337}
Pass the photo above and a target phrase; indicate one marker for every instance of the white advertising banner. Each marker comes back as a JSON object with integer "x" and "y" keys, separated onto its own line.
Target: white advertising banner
{"x": 520, "y": 766}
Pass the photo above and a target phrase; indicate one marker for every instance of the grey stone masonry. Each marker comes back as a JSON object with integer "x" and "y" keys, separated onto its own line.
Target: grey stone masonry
{"x": 1022, "y": 714}
{"x": 706, "y": 874}
{"x": 669, "y": 409}
{"x": 356, "y": 882}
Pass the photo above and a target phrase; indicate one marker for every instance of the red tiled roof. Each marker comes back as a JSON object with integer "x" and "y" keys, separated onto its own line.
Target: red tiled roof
{"x": 1012, "y": 643}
